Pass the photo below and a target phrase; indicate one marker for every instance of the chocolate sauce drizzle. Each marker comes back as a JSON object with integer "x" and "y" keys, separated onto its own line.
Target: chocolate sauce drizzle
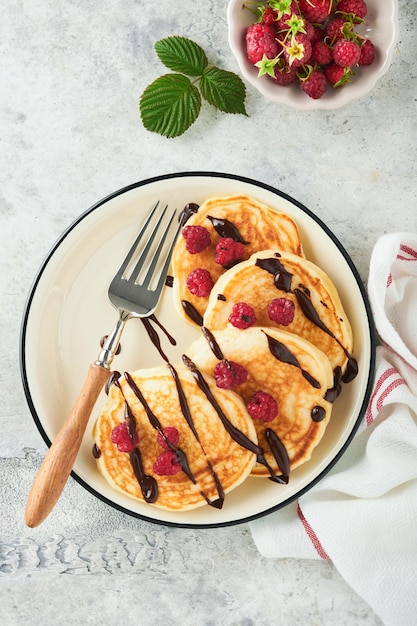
{"x": 114, "y": 376}
{"x": 217, "y": 504}
{"x": 310, "y": 312}
{"x": 282, "y": 353}
{"x": 237, "y": 435}
{"x": 282, "y": 280}
{"x": 195, "y": 316}
{"x": 96, "y": 451}
{"x": 153, "y": 335}
{"x": 191, "y": 312}
{"x": 181, "y": 457}
{"x": 334, "y": 392}
{"x": 183, "y": 403}
{"x": 318, "y": 413}
{"x": 215, "y": 348}
{"x": 188, "y": 211}
{"x": 224, "y": 228}
{"x": 280, "y": 453}
{"x": 148, "y": 484}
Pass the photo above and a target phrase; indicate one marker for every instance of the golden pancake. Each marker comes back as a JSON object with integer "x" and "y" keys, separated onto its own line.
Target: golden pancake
{"x": 291, "y": 371}
{"x": 307, "y": 304}
{"x": 209, "y": 461}
{"x": 238, "y": 217}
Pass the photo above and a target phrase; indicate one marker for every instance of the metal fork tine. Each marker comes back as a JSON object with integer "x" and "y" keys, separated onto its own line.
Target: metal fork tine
{"x": 132, "y": 250}
{"x": 145, "y": 251}
{"x": 156, "y": 257}
{"x": 164, "y": 270}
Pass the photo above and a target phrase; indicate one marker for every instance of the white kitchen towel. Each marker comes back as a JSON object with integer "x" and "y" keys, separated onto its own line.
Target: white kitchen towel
{"x": 363, "y": 514}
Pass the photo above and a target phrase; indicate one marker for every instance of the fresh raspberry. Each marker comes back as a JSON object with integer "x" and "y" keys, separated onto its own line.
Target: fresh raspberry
{"x": 260, "y": 41}
{"x": 199, "y": 282}
{"x": 310, "y": 30}
{"x": 262, "y": 407}
{"x": 317, "y": 34}
{"x": 315, "y": 84}
{"x": 228, "y": 252}
{"x": 298, "y": 51}
{"x": 269, "y": 16}
{"x": 337, "y": 75}
{"x": 321, "y": 53}
{"x": 284, "y": 75}
{"x": 317, "y": 11}
{"x": 367, "y": 53}
{"x": 242, "y": 315}
{"x": 197, "y": 238}
{"x": 170, "y": 433}
{"x": 333, "y": 29}
{"x": 346, "y": 53}
{"x": 281, "y": 311}
{"x": 357, "y": 8}
{"x": 229, "y": 374}
{"x": 121, "y": 437}
{"x": 166, "y": 464}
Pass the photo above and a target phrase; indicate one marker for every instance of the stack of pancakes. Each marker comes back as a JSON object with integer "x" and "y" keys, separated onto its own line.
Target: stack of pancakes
{"x": 300, "y": 364}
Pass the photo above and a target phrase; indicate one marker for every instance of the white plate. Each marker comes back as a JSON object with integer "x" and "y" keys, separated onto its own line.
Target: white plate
{"x": 68, "y": 311}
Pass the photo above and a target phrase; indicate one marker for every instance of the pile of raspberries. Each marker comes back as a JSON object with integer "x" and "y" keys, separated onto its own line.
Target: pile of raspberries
{"x": 312, "y": 42}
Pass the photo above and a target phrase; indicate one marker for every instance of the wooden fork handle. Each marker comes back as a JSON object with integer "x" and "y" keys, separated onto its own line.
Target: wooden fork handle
{"x": 59, "y": 461}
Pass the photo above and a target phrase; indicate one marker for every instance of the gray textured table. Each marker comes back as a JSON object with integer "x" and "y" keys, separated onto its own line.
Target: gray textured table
{"x": 71, "y": 76}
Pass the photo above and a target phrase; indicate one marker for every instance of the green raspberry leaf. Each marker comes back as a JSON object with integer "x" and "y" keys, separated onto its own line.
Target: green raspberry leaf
{"x": 224, "y": 90}
{"x": 170, "y": 105}
{"x": 180, "y": 54}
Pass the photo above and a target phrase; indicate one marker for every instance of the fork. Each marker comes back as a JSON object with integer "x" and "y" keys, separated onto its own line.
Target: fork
{"x": 133, "y": 295}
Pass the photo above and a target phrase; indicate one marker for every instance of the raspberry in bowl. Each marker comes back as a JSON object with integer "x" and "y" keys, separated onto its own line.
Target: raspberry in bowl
{"x": 278, "y": 45}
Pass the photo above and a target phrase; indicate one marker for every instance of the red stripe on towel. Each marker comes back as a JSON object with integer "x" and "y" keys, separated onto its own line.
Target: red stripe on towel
{"x": 395, "y": 383}
{"x": 408, "y": 250}
{"x": 412, "y": 256}
{"x": 312, "y": 535}
{"x": 378, "y": 400}
{"x": 386, "y": 374}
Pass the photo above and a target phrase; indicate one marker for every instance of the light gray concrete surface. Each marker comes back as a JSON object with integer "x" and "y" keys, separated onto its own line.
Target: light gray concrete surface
{"x": 71, "y": 74}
